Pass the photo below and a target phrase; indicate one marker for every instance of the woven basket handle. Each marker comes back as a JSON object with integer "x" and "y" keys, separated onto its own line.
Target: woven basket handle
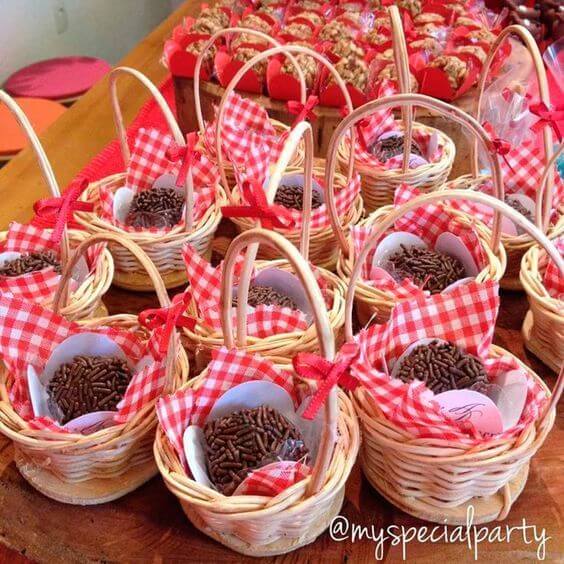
{"x": 544, "y": 92}
{"x": 44, "y": 164}
{"x": 499, "y": 206}
{"x": 324, "y": 331}
{"x": 451, "y": 112}
{"x": 146, "y": 263}
{"x": 539, "y": 220}
{"x": 211, "y": 41}
{"x": 171, "y": 122}
{"x": 287, "y": 50}
{"x": 401, "y": 60}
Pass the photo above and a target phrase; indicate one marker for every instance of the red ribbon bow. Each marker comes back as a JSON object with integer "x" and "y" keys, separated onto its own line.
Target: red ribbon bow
{"x": 167, "y": 318}
{"x": 360, "y": 126}
{"x": 55, "y": 213}
{"x": 547, "y": 116}
{"x": 498, "y": 145}
{"x": 258, "y": 208}
{"x": 314, "y": 367}
{"x": 185, "y": 155}
{"x": 303, "y": 111}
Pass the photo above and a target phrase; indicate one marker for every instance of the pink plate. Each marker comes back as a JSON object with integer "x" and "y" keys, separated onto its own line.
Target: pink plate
{"x": 57, "y": 79}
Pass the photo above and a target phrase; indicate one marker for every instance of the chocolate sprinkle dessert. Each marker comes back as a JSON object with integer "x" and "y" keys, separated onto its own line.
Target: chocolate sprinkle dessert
{"x": 432, "y": 270}
{"x": 518, "y": 206}
{"x": 293, "y": 197}
{"x": 32, "y": 262}
{"x": 443, "y": 367}
{"x": 266, "y": 295}
{"x": 385, "y": 149}
{"x": 88, "y": 384}
{"x": 238, "y": 443}
{"x": 157, "y": 207}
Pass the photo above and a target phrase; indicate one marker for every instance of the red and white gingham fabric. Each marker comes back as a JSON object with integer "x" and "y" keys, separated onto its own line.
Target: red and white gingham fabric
{"x": 28, "y": 335}
{"x": 262, "y": 321}
{"x": 228, "y": 369}
{"x": 465, "y": 316}
{"x": 249, "y": 140}
{"x": 147, "y": 163}
{"x": 553, "y": 278}
{"x": 427, "y": 222}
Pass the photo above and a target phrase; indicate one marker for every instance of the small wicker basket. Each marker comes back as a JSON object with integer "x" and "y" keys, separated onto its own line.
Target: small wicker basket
{"x": 373, "y": 303}
{"x": 265, "y": 526}
{"x": 379, "y": 184}
{"x": 434, "y": 479}
{"x": 228, "y": 174}
{"x": 107, "y": 464}
{"x": 86, "y": 300}
{"x": 517, "y": 246}
{"x": 164, "y": 250}
{"x": 543, "y": 328}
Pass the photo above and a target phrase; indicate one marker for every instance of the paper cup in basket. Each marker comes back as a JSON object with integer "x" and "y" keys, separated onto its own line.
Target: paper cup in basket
{"x": 522, "y": 164}
{"x": 86, "y": 456}
{"x": 435, "y": 454}
{"x": 426, "y": 168}
{"x": 157, "y": 160}
{"x": 49, "y": 233}
{"x": 282, "y": 506}
{"x": 436, "y": 226}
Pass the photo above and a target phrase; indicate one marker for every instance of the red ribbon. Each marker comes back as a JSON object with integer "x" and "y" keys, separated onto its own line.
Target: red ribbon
{"x": 498, "y": 145}
{"x": 55, "y": 213}
{"x": 303, "y": 111}
{"x": 167, "y": 319}
{"x": 185, "y": 155}
{"x": 364, "y": 122}
{"x": 314, "y": 367}
{"x": 258, "y": 208}
{"x": 548, "y": 116}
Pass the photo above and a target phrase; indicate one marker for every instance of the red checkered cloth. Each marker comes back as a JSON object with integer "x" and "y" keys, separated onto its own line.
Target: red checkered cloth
{"x": 553, "y": 278}
{"x": 228, "y": 369}
{"x": 427, "y": 222}
{"x": 465, "y": 316}
{"x": 249, "y": 140}
{"x": 262, "y": 321}
{"x": 28, "y": 335}
{"x": 148, "y": 162}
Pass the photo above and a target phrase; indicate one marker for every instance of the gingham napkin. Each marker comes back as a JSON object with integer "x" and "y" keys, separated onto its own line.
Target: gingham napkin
{"x": 28, "y": 335}
{"x": 553, "y": 278}
{"x": 148, "y": 162}
{"x": 249, "y": 141}
{"x": 264, "y": 321}
{"x": 191, "y": 407}
{"x": 465, "y": 316}
{"x": 427, "y": 222}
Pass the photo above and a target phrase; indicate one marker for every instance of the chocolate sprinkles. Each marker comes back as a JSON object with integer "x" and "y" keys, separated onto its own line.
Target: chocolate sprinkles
{"x": 157, "y": 207}
{"x": 267, "y": 295}
{"x": 31, "y": 262}
{"x": 244, "y": 440}
{"x": 389, "y": 147}
{"x": 431, "y": 270}
{"x": 293, "y": 197}
{"x": 88, "y": 384}
{"x": 518, "y": 206}
{"x": 443, "y": 367}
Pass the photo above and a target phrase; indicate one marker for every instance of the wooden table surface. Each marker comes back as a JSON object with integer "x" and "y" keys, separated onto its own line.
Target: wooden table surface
{"x": 148, "y": 525}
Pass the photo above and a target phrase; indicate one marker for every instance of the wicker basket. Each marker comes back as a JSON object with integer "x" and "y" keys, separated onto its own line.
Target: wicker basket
{"x": 86, "y": 300}
{"x": 379, "y": 184}
{"x": 374, "y": 303}
{"x": 107, "y": 464}
{"x": 264, "y": 526}
{"x": 543, "y": 328}
{"x": 228, "y": 174}
{"x": 164, "y": 250}
{"x": 517, "y": 246}
{"x": 437, "y": 480}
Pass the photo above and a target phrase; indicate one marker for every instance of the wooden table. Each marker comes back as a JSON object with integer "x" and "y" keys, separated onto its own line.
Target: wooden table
{"x": 148, "y": 525}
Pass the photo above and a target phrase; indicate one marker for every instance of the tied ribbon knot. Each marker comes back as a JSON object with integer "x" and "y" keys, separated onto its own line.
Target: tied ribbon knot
{"x": 303, "y": 111}
{"x": 166, "y": 319}
{"x": 330, "y": 374}
{"x": 56, "y": 213}
{"x": 361, "y": 126}
{"x": 185, "y": 155}
{"x": 552, "y": 117}
{"x": 269, "y": 215}
{"x": 500, "y": 146}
